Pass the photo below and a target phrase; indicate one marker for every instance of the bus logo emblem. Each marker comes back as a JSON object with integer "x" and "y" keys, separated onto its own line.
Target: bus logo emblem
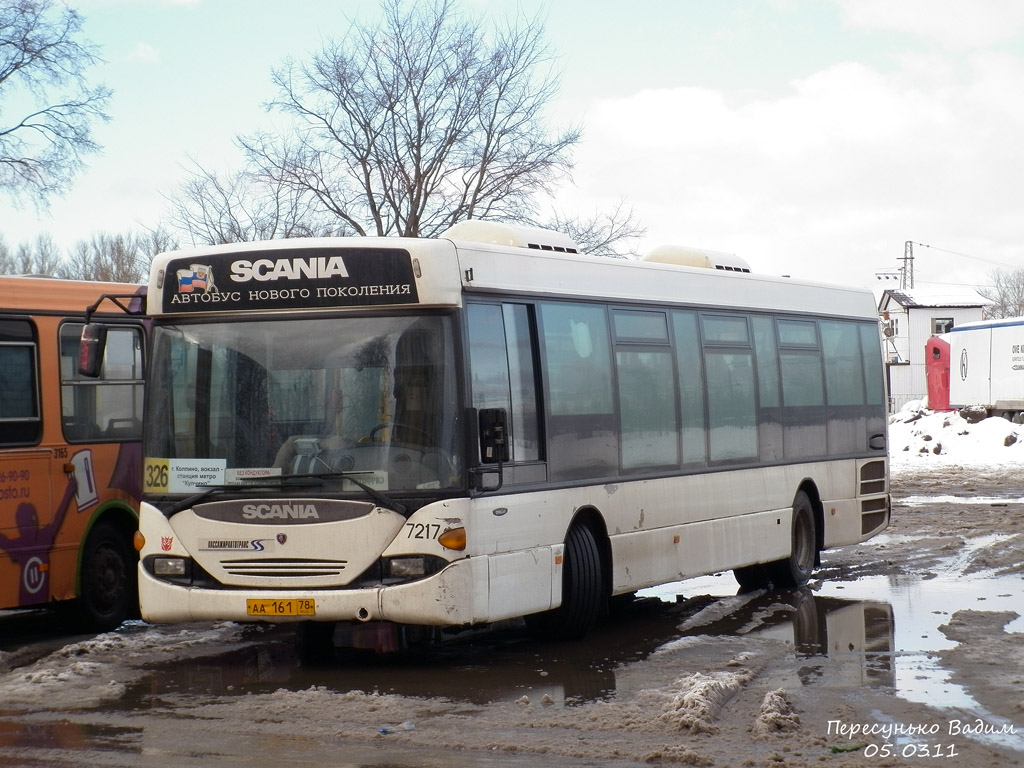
{"x": 166, "y": 542}
{"x": 34, "y": 575}
{"x": 282, "y": 538}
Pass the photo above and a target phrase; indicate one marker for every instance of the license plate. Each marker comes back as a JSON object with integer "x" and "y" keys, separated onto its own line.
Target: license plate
{"x": 292, "y": 607}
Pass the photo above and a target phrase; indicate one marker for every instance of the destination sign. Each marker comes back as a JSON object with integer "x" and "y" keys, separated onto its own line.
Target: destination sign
{"x": 289, "y": 278}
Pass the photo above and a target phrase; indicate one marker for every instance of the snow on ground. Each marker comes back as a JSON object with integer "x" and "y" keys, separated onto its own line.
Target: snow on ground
{"x": 920, "y": 438}
{"x": 98, "y": 670}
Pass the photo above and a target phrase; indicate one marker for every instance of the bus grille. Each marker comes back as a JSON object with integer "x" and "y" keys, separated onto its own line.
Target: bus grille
{"x": 872, "y": 478}
{"x": 284, "y": 568}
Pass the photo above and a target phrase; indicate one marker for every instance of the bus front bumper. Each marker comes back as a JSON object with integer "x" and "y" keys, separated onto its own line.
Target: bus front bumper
{"x": 455, "y": 596}
{"x": 472, "y": 590}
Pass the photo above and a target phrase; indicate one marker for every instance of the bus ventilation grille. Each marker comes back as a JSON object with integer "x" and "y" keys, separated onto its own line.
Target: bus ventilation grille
{"x": 731, "y": 268}
{"x": 284, "y": 567}
{"x": 556, "y": 248}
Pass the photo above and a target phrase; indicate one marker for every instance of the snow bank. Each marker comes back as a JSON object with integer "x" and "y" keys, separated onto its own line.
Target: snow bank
{"x": 777, "y": 714}
{"x": 919, "y": 437}
{"x": 98, "y": 670}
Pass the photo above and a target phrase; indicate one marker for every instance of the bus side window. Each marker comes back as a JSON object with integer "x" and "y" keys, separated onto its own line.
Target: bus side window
{"x": 646, "y": 379}
{"x": 20, "y": 423}
{"x": 690, "y": 364}
{"x": 107, "y": 408}
{"x": 844, "y": 386}
{"x": 583, "y": 430}
{"x": 769, "y": 388}
{"x": 731, "y": 392}
{"x": 803, "y": 389}
{"x": 502, "y": 371}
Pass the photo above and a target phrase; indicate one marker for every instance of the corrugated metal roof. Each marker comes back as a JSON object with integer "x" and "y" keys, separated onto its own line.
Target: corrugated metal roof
{"x": 935, "y": 297}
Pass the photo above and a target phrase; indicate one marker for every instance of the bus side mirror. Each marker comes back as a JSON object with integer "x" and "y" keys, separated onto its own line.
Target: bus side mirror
{"x": 492, "y": 432}
{"x": 493, "y": 436}
{"x": 90, "y": 350}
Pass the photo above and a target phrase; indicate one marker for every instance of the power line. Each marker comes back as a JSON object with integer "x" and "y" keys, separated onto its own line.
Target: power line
{"x": 905, "y": 273}
{"x": 960, "y": 285}
{"x": 966, "y": 255}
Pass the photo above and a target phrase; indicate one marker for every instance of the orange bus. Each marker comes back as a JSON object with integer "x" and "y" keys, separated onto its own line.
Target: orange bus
{"x": 70, "y": 468}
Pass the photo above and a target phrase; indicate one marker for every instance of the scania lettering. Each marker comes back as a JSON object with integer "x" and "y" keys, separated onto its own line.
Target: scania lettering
{"x": 287, "y": 269}
{"x": 491, "y": 424}
{"x": 267, "y": 511}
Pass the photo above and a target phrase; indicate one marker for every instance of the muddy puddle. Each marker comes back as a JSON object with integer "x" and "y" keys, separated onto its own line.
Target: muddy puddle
{"x": 901, "y": 617}
{"x": 830, "y": 635}
{"x": 877, "y": 630}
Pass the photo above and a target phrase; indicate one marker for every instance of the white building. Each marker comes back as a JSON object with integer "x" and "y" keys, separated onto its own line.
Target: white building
{"x": 909, "y": 318}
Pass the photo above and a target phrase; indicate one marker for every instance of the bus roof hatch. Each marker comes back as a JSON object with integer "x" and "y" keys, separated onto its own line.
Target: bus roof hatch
{"x": 696, "y": 257}
{"x": 500, "y": 233}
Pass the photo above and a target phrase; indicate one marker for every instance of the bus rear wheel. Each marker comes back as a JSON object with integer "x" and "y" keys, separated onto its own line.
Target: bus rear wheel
{"x": 582, "y": 590}
{"x": 795, "y": 570}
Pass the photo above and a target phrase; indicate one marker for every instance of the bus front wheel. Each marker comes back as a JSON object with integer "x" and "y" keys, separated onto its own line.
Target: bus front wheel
{"x": 107, "y": 594}
{"x": 582, "y": 590}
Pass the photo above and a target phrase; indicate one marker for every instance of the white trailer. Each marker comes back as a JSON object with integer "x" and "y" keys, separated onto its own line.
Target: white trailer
{"x": 987, "y": 366}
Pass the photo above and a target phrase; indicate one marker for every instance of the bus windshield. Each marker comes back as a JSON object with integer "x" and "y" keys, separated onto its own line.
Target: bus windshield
{"x": 371, "y": 398}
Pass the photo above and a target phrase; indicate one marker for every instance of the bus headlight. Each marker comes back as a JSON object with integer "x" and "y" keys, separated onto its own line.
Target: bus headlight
{"x": 170, "y": 567}
{"x": 410, "y": 567}
{"x": 407, "y": 567}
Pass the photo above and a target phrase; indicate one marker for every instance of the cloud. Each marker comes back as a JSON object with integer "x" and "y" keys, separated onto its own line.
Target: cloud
{"x": 87, "y": 6}
{"x": 954, "y": 24}
{"x": 143, "y": 52}
{"x": 830, "y": 178}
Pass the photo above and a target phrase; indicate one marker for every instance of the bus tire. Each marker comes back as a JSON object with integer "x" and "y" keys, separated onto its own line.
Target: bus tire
{"x": 582, "y": 590}
{"x": 796, "y": 570}
{"x": 108, "y": 591}
{"x": 754, "y": 577}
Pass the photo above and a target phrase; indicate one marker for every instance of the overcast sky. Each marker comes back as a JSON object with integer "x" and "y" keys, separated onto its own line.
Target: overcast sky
{"x": 811, "y": 137}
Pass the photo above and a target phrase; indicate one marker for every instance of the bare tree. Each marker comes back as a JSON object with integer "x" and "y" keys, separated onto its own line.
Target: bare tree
{"x": 41, "y": 257}
{"x": 1006, "y": 294}
{"x": 420, "y": 121}
{"x": 211, "y": 208}
{"x": 120, "y": 258}
{"x": 603, "y": 234}
{"x": 46, "y": 106}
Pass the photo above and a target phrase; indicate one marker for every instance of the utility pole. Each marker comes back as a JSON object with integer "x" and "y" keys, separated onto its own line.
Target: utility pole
{"x": 907, "y": 271}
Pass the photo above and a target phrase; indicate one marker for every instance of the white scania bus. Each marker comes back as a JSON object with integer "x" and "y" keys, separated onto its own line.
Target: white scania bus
{"x": 455, "y": 431}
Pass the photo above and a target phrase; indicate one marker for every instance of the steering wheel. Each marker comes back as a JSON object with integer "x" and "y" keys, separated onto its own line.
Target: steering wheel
{"x": 398, "y": 425}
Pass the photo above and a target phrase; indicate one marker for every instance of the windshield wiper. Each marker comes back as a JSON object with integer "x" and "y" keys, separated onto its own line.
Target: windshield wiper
{"x": 280, "y": 481}
{"x": 211, "y": 490}
{"x": 382, "y": 499}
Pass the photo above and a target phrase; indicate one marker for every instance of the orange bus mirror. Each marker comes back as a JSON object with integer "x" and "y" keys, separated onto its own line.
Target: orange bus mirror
{"x": 90, "y": 350}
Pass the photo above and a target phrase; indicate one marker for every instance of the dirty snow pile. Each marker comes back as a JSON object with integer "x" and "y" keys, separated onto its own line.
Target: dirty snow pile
{"x": 98, "y": 670}
{"x": 918, "y": 436}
